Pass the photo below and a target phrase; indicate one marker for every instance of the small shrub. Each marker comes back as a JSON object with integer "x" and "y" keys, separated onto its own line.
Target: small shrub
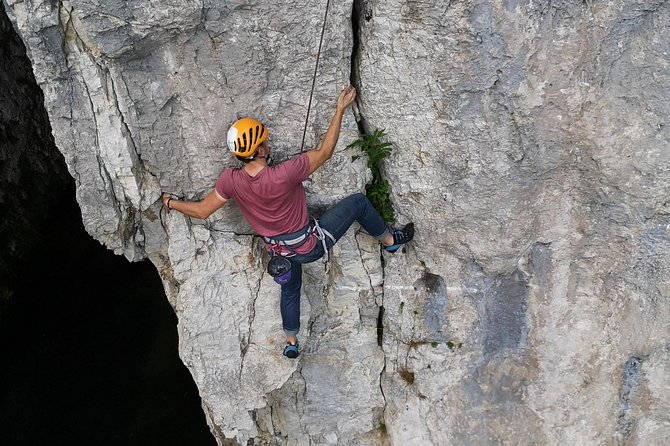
{"x": 378, "y": 193}
{"x": 378, "y": 190}
{"x": 374, "y": 148}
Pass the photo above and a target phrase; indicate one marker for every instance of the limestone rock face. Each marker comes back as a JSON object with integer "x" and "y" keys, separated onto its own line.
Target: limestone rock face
{"x": 542, "y": 246}
{"x": 530, "y": 149}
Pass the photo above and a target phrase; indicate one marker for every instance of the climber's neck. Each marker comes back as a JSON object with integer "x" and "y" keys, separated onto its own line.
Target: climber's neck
{"x": 254, "y": 167}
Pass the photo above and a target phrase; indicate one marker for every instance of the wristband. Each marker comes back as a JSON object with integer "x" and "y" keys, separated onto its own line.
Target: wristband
{"x": 168, "y": 203}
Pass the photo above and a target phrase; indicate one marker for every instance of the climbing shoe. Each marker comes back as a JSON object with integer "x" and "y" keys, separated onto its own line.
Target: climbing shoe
{"x": 400, "y": 237}
{"x": 291, "y": 350}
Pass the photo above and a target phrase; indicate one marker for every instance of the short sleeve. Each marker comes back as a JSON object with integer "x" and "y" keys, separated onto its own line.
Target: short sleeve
{"x": 224, "y": 183}
{"x": 297, "y": 169}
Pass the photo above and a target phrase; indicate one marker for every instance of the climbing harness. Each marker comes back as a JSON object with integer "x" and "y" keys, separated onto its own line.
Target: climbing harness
{"x": 286, "y": 245}
{"x": 316, "y": 68}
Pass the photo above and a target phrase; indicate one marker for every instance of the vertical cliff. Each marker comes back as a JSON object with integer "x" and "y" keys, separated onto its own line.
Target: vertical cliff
{"x": 543, "y": 230}
{"x": 530, "y": 149}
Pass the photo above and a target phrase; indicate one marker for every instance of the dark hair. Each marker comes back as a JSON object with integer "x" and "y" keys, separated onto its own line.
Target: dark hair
{"x": 245, "y": 159}
{"x": 248, "y": 159}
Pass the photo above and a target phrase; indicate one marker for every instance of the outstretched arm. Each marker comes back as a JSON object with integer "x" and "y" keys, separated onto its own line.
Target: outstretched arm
{"x": 197, "y": 209}
{"x": 318, "y": 157}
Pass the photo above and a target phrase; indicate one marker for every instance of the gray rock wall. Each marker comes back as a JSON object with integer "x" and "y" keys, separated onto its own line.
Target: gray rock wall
{"x": 545, "y": 224}
{"x": 530, "y": 149}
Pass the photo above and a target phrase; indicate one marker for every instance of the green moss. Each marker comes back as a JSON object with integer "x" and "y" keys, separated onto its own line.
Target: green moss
{"x": 433, "y": 344}
{"x": 378, "y": 190}
{"x": 382, "y": 429}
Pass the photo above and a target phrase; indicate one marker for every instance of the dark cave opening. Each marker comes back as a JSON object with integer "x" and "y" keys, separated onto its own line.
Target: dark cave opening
{"x": 88, "y": 340}
{"x": 89, "y": 346}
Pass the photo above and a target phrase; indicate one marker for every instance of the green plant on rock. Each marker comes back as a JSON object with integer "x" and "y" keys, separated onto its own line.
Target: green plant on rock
{"x": 377, "y": 190}
{"x": 451, "y": 345}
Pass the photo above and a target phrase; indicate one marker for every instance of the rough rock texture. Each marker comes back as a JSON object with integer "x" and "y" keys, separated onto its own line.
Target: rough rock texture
{"x": 531, "y": 151}
{"x": 544, "y": 231}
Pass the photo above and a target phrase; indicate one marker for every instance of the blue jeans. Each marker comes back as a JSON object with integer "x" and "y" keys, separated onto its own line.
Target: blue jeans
{"x": 337, "y": 221}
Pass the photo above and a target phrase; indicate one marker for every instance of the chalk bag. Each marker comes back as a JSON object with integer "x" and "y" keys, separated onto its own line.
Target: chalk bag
{"x": 280, "y": 268}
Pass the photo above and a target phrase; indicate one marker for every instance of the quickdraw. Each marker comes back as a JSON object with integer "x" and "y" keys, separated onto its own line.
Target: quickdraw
{"x": 321, "y": 235}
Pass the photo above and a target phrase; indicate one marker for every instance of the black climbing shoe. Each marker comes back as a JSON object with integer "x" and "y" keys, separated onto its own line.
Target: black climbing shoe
{"x": 291, "y": 350}
{"x": 400, "y": 237}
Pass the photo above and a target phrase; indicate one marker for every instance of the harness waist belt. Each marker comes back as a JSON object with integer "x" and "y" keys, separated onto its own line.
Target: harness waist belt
{"x": 292, "y": 239}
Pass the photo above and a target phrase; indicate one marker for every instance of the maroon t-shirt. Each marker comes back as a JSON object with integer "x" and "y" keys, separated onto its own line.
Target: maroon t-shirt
{"x": 274, "y": 201}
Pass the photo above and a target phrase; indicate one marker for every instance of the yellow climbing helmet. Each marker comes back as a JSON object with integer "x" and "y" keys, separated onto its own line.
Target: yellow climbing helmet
{"x": 244, "y": 137}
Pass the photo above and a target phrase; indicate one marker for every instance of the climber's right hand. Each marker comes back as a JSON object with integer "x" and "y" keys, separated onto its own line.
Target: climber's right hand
{"x": 346, "y": 98}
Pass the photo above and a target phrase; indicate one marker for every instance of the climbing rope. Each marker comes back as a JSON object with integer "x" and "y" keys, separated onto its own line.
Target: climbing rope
{"x": 316, "y": 68}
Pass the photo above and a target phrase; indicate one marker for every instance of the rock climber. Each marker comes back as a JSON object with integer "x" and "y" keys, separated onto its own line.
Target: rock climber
{"x": 273, "y": 201}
